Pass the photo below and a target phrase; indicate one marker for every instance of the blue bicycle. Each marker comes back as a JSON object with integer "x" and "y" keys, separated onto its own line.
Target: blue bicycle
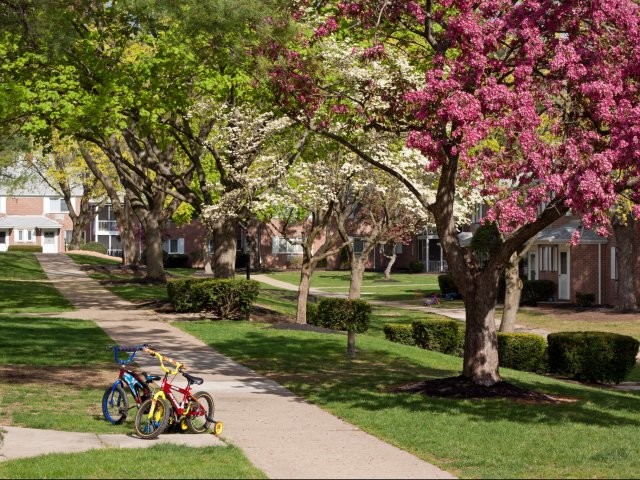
{"x": 115, "y": 401}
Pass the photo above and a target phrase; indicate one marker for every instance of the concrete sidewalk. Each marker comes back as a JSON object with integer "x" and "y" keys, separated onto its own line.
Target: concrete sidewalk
{"x": 282, "y": 434}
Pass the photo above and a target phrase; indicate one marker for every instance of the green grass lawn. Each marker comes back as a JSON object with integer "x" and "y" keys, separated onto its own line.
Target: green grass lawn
{"x": 402, "y": 286}
{"x": 31, "y": 297}
{"x": 594, "y": 436}
{"x": 174, "y": 461}
{"x": 20, "y": 266}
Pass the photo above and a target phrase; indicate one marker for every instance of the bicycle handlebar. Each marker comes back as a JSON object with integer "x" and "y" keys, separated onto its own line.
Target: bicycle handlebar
{"x": 132, "y": 349}
{"x": 179, "y": 366}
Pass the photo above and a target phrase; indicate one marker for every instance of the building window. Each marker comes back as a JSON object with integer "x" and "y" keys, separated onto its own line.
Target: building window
{"x": 174, "y": 245}
{"x": 548, "y": 259}
{"x": 614, "y": 263}
{"x": 280, "y": 245}
{"x": 533, "y": 266}
{"x": 398, "y": 248}
{"x": 358, "y": 246}
{"x": 25, "y": 236}
{"x": 58, "y": 205}
{"x": 3, "y": 238}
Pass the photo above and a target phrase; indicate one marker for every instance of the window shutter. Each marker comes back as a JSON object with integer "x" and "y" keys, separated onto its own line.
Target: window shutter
{"x": 181, "y": 245}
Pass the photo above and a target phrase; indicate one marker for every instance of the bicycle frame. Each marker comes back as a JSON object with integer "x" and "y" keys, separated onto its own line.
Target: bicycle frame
{"x": 180, "y": 409}
{"x": 135, "y": 383}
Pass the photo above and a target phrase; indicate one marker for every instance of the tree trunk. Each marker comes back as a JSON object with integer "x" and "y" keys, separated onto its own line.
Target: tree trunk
{"x": 512, "y": 294}
{"x": 303, "y": 292}
{"x": 357, "y": 273}
{"x": 392, "y": 260}
{"x": 153, "y": 243}
{"x": 224, "y": 248}
{"x": 351, "y": 344}
{"x": 626, "y": 255}
{"x": 124, "y": 219}
{"x": 481, "y": 341}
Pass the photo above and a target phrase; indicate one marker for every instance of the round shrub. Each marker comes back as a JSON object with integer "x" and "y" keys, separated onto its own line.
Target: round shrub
{"x": 446, "y": 284}
{"x": 94, "y": 247}
{"x": 592, "y": 356}
{"x": 416, "y": 267}
{"x": 522, "y": 351}
{"x": 343, "y": 314}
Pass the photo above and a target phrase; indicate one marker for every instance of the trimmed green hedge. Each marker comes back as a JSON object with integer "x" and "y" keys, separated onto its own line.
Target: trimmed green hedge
{"x": 342, "y": 314}
{"x": 25, "y": 248}
{"x": 592, "y": 356}
{"x": 399, "y": 333}
{"x": 225, "y": 298}
{"x": 446, "y": 336}
{"x": 522, "y": 351}
{"x": 446, "y": 284}
{"x": 94, "y": 247}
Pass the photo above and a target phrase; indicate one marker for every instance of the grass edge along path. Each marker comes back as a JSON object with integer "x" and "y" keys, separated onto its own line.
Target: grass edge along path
{"x": 173, "y": 461}
{"x": 594, "y": 436}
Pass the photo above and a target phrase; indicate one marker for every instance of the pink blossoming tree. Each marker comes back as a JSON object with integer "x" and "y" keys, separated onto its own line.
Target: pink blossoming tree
{"x": 534, "y": 103}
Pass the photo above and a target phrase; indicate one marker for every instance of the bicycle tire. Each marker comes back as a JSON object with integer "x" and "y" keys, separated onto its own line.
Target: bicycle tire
{"x": 149, "y": 428}
{"x": 115, "y": 404}
{"x": 200, "y": 411}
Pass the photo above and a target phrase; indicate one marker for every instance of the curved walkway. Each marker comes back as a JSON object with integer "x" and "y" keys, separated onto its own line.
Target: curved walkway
{"x": 282, "y": 434}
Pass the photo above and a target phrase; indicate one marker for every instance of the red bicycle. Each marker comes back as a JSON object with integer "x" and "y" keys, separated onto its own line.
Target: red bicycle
{"x": 193, "y": 412}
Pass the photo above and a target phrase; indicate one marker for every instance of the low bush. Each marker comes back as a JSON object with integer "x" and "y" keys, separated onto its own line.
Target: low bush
{"x": 522, "y": 351}
{"x": 534, "y": 291}
{"x": 177, "y": 260}
{"x": 416, "y": 267}
{"x": 399, "y": 333}
{"x": 446, "y": 336}
{"x": 225, "y": 298}
{"x": 585, "y": 300}
{"x": 94, "y": 247}
{"x": 592, "y": 356}
{"x": 446, "y": 284}
{"x": 343, "y": 314}
{"x": 25, "y": 248}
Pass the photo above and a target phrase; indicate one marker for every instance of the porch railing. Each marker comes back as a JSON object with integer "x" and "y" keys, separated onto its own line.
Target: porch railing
{"x": 438, "y": 266}
{"x": 107, "y": 226}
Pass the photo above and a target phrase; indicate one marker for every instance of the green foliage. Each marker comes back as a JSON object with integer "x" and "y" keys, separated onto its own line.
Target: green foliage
{"x": 224, "y": 298}
{"x": 312, "y": 313}
{"x": 485, "y": 241}
{"x": 399, "y": 333}
{"x": 94, "y": 247}
{"x": 343, "y": 314}
{"x": 25, "y": 248}
{"x": 534, "y": 291}
{"x": 522, "y": 351}
{"x": 416, "y": 267}
{"x": 446, "y": 336}
{"x": 592, "y": 356}
{"x": 585, "y": 300}
{"x": 446, "y": 283}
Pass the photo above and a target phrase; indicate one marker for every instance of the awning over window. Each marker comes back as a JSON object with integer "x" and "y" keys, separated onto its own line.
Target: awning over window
{"x": 28, "y": 221}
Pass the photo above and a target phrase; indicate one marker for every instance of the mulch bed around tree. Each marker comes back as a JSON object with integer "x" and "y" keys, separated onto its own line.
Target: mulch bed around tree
{"x": 461, "y": 387}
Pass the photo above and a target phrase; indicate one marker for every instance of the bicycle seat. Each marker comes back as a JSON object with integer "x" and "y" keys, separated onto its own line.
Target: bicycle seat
{"x": 192, "y": 380}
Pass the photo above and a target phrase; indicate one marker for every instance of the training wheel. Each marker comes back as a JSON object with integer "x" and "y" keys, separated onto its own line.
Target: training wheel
{"x": 217, "y": 428}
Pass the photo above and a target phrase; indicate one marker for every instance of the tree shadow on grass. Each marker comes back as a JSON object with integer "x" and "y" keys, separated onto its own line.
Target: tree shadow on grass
{"x": 315, "y": 365}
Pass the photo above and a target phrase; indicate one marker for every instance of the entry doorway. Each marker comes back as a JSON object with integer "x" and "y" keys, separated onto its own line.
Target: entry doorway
{"x": 564, "y": 273}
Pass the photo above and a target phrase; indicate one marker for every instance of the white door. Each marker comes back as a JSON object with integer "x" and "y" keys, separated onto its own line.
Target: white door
{"x": 49, "y": 241}
{"x": 563, "y": 274}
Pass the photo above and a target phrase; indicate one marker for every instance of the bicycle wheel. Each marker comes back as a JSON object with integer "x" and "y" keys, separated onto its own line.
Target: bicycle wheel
{"x": 115, "y": 404}
{"x": 149, "y": 428}
{"x": 200, "y": 412}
